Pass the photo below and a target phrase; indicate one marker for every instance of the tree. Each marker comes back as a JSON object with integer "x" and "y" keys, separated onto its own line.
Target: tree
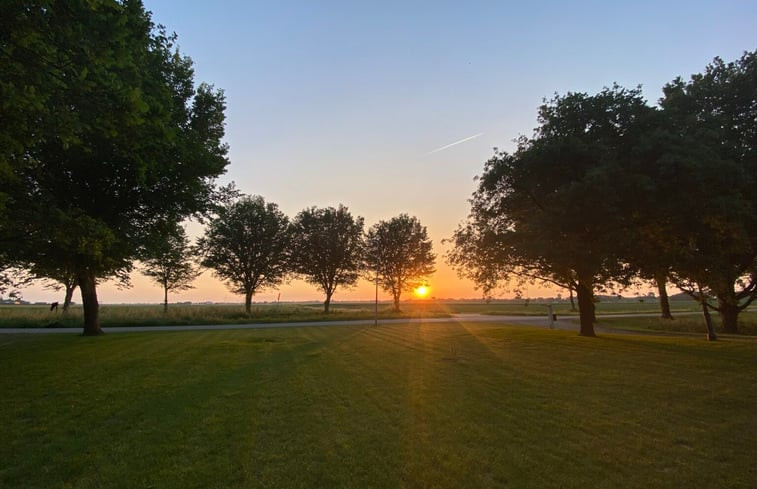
{"x": 12, "y": 279}
{"x": 399, "y": 251}
{"x": 248, "y": 245}
{"x": 170, "y": 263}
{"x": 556, "y": 210}
{"x": 328, "y": 248}
{"x": 66, "y": 281}
{"x": 108, "y": 138}
{"x": 713, "y": 118}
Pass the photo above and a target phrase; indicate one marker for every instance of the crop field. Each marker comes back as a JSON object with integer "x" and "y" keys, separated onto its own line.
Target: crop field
{"x": 401, "y": 405}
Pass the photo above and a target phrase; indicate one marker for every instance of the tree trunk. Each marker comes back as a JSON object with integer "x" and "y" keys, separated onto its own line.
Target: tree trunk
{"x": 248, "y": 302}
{"x": 585, "y": 294}
{"x": 327, "y": 302}
{"x": 711, "y": 336}
{"x": 165, "y": 297}
{"x": 729, "y": 311}
{"x": 69, "y": 296}
{"x": 87, "y": 285}
{"x": 572, "y": 302}
{"x": 663, "y": 293}
{"x": 396, "y": 301}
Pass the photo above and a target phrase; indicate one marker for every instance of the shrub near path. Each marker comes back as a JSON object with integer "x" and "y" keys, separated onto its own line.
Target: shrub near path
{"x": 408, "y": 405}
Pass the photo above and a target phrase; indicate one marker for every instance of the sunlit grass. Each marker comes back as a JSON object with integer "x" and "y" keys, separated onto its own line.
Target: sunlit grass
{"x": 683, "y": 323}
{"x": 183, "y": 314}
{"x": 405, "y": 405}
{"x": 202, "y": 314}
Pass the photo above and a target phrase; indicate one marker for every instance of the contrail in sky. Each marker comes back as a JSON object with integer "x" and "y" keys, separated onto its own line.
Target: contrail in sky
{"x": 455, "y": 143}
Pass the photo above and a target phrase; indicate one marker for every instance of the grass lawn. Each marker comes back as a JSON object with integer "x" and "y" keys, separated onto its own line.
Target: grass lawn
{"x": 683, "y": 323}
{"x": 407, "y": 405}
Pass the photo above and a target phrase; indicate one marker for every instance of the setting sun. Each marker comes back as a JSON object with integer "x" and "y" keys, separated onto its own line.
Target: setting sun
{"x": 421, "y": 291}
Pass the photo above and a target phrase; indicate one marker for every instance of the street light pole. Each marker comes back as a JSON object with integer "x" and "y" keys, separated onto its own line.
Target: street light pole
{"x": 375, "y": 311}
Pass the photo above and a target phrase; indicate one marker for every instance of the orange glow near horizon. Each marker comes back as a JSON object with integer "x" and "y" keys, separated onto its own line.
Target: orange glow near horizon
{"x": 421, "y": 292}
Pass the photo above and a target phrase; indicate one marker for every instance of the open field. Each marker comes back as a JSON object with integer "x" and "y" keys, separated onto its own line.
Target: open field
{"x": 37, "y": 316}
{"x": 407, "y": 405}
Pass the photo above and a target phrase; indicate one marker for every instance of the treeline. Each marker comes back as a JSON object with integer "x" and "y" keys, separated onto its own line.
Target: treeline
{"x": 609, "y": 189}
{"x": 107, "y": 144}
{"x": 251, "y": 245}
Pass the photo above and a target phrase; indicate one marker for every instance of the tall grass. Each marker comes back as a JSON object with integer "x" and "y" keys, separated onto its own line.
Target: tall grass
{"x": 40, "y": 316}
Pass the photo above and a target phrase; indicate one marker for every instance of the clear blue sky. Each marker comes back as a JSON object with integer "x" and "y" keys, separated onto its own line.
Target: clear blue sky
{"x": 342, "y": 102}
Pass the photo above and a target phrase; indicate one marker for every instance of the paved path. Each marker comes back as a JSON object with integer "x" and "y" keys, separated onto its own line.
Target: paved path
{"x": 569, "y": 323}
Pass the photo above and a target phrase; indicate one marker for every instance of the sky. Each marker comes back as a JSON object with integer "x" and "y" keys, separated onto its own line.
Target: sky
{"x": 360, "y": 103}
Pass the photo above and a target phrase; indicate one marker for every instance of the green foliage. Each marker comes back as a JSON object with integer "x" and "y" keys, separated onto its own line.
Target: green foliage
{"x": 169, "y": 263}
{"x": 248, "y": 245}
{"x": 328, "y": 248}
{"x": 399, "y": 251}
{"x": 557, "y": 210}
{"x": 107, "y": 137}
{"x": 459, "y": 405}
{"x": 713, "y": 218}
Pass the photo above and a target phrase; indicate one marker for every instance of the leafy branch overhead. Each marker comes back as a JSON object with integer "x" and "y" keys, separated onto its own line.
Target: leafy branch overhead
{"x": 105, "y": 138}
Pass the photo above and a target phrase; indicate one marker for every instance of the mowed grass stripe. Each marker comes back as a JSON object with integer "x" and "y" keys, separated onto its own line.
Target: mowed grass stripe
{"x": 409, "y": 405}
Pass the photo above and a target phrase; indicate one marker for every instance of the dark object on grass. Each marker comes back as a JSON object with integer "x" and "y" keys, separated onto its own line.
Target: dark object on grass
{"x": 54, "y": 306}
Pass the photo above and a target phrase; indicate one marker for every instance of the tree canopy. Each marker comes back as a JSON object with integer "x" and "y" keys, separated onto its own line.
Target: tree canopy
{"x": 556, "y": 210}
{"x": 107, "y": 139}
{"x": 170, "y": 263}
{"x": 328, "y": 248}
{"x": 248, "y": 246}
{"x": 400, "y": 253}
{"x": 713, "y": 118}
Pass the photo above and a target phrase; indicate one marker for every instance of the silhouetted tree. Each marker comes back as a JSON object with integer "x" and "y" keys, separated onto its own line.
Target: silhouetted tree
{"x": 328, "y": 248}
{"x": 713, "y": 121}
{"x": 108, "y": 137}
{"x": 65, "y": 281}
{"x": 170, "y": 263}
{"x": 248, "y": 246}
{"x": 556, "y": 210}
{"x": 399, "y": 250}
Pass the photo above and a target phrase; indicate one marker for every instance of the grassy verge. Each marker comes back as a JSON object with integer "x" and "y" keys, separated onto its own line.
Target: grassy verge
{"x": 153, "y": 315}
{"x": 407, "y": 405}
{"x": 39, "y": 316}
{"x": 686, "y": 324}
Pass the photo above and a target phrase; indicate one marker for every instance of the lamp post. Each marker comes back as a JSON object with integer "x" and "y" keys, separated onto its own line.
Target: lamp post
{"x": 375, "y": 310}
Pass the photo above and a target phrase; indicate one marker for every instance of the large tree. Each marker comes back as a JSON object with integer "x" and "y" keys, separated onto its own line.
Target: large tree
{"x": 556, "y": 210}
{"x": 248, "y": 245}
{"x": 170, "y": 263}
{"x": 328, "y": 248}
{"x": 108, "y": 138}
{"x": 400, "y": 253}
{"x": 713, "y": 120}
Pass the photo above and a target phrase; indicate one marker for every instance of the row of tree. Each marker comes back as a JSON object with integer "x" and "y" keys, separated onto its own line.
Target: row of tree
{"x": 252, "y": 245}
{"x": 106, "y": 144}
{"x": 610, "y": 189}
